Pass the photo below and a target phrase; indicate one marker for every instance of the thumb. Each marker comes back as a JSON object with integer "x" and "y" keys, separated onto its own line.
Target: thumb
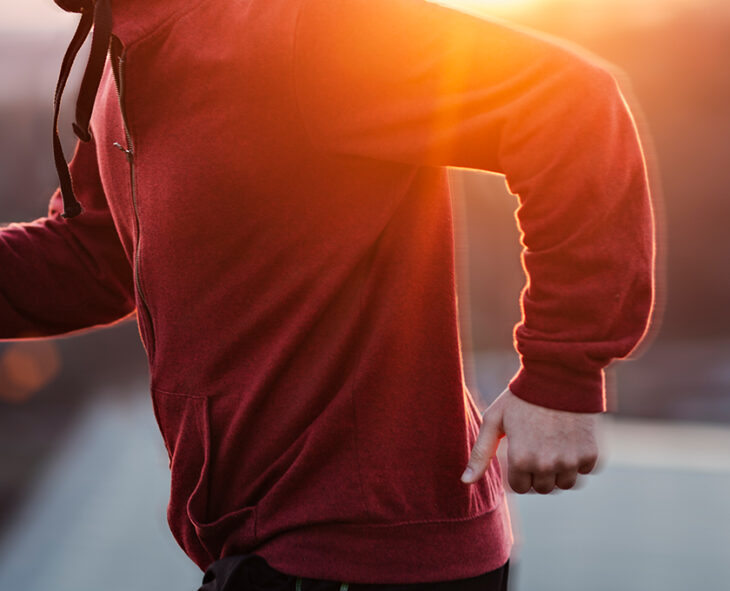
{"x": 485, "y": 446}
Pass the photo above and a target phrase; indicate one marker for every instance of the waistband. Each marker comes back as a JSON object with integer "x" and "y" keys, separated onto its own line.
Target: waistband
{"x": 250, "y": 572}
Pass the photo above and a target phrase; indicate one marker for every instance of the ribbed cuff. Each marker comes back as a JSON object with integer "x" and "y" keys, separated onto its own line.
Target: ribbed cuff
{"x": 559, "y": 387}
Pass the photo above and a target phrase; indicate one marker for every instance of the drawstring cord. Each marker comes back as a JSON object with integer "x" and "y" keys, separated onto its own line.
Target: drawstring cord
{"x": 96, "y": 13}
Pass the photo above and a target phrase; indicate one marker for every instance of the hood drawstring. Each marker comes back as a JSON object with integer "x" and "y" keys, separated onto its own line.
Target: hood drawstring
{"x": 96, "y": 13}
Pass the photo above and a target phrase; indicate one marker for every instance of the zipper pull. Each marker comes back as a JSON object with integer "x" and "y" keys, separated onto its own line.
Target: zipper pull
{"x": 127, "y": 151}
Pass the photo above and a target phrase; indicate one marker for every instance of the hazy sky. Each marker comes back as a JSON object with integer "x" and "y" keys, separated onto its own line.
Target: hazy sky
{"x": 35, "y": 14}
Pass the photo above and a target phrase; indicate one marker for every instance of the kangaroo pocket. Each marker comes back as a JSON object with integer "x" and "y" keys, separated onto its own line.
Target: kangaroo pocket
{"x": 203, "y": 529}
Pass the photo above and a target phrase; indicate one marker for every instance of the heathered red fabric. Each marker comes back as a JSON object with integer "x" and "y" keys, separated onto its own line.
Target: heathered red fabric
{"x": 294, "y": 274}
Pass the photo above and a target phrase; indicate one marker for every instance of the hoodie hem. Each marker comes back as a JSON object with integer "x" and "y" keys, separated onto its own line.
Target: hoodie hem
{"x": 418, "y": 552}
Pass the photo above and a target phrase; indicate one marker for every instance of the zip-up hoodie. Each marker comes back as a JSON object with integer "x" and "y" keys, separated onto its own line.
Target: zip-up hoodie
{"x": 264, "y": 182}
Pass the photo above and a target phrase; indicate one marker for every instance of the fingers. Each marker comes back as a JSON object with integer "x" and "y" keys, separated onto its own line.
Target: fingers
{"x": 548, "y": 448}
{"x": 543, "y": 483}
{"x": 566, "y": 480}
{"x": 524, "y": 475}
{"x": 484, "y": 448}
{"x": 519, "y": 480}
{"x": 588, "y": 464}
{"x": 546, "y": 483}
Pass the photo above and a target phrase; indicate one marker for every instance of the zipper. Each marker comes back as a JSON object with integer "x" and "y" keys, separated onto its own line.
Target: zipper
{"x": 118, "y": 69}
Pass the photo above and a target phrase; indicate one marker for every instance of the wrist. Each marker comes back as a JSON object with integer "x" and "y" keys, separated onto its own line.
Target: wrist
{"x": 560, "y": 387}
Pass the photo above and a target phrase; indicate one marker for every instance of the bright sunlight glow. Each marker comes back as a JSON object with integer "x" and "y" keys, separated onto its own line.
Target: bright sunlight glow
{"x": 499, "y": 6}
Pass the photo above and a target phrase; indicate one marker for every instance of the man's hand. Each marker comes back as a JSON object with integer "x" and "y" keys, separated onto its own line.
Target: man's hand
{"x": 547, "y": 448}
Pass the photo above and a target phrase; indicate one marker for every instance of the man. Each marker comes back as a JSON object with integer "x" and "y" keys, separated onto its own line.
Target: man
{"x": 264, "y": 183}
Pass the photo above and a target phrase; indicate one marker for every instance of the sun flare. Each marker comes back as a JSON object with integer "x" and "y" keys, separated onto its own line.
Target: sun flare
{"x": 481, "y": 6}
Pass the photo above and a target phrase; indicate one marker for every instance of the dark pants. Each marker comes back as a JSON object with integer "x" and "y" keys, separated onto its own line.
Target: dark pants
{"x": 249, "y": 572}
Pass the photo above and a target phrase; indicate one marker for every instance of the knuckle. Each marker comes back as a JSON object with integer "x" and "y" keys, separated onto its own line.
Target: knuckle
{"x": 553, "y": 462}
{"x": 522, "y": 466}
{"x": 590, "y": 454}
{"x": 563, "y": 466}
{"x": 566, "y": 464}
{"x": 549, "y": 464}
{"x": 545, "y": 466}
{"x": 591, "y": 451}
{"x": 522, "y": 462}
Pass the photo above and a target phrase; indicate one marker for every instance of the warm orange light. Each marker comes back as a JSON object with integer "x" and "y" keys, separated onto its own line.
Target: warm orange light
{"x": 634, "y": 10}
{"x": 487, "y": 6}
{"x": 486, "y": 3}
{"x": 25, "y": 368}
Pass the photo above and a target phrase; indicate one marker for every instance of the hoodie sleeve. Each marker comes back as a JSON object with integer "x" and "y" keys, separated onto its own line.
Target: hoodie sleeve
{"x": 415, "y": 82}
{"x": 61, "y": 275}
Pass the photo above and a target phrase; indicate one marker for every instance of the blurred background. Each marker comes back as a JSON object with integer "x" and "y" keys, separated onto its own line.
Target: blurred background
{"x": 83, "y": 472}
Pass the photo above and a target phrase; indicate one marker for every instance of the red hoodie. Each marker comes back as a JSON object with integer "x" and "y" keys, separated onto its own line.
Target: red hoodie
{"x": 266, "y": 186}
